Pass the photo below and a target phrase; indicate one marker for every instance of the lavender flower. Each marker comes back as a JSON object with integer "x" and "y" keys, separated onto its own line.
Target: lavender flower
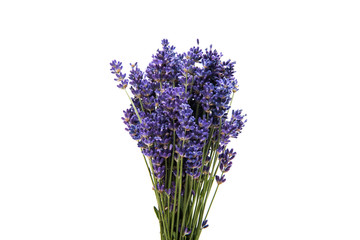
{"x": 221, "y": 179}
{"x": 179, "y": 117}
{"x": 187, "y": 231}
{"x": 204, "y": 224}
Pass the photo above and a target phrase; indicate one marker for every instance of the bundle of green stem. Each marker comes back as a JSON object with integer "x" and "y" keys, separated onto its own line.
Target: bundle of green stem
{"x": 191, "y": 209}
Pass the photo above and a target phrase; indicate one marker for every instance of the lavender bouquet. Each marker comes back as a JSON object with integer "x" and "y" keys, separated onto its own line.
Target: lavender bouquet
{"x": 179, "y": 116}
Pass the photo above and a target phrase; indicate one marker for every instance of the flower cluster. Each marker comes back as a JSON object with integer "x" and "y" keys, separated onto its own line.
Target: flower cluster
{"x": 179, "y": 118}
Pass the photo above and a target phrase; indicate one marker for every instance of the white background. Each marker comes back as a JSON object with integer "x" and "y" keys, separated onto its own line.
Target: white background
{"x": 69, "y": 170}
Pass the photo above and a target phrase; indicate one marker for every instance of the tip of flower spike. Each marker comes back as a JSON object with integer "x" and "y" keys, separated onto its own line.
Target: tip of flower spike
{"x": 168, "y": 191}
{"x": 197, "y": 40}
{"x": 220, "y": 180}
{"x": 114, "y": 63}
{"x": 123, "y": 84}
{"x": 165, "y": 42}
{"x": 204, "y": 224}
{"x": 133, "y": 65}
{"x": 187, "y": 231}
{"x": 116, "y": 67}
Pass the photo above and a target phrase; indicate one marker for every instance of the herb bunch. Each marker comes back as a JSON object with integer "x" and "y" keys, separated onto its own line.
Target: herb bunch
{"x": 179, "y": 116}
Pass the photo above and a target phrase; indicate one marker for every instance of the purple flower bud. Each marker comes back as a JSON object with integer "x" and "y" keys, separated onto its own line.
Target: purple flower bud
{"x": 168, "y": 191}
{"x": 160, "y": 187}
{"x": 220, "y": 180}
{"x": 204, "y": 224}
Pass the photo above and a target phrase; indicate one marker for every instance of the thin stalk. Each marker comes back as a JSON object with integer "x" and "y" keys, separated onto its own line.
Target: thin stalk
{"x": 176, "y": 188}
{"x": 199, "y": 203}
{"x": 178, "y": 184}
{"x": 184, "y": 204}
{"x": 142, "y": 107}
{"x": 232, "y": 97}
{"x": 187, "y": 201}
{"x": 172, "y": 159}
{"x": 137, "y": 114}
{"x": 170, "y": 176}
{"x": 212, "y": 200}
{"x": 152, "y": 180}
{"x": 211, "y": 178}
{"x": 197, "y": 111}
{"x": 193, "y": 202}
{"x": 179, "y": 197}
{"x": 164, "y": 217}
{"x": 207, "y": 193}
{"x": 166, "y": 172}
{"x": 161, "y": 231}
{"x": 198, "y": 208}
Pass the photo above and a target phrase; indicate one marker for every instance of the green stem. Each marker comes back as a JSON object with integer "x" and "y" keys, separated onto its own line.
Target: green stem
{"x": 170, "y": 177}
{"x": 188, "y": 197}
{"x": 176, "y": 188}
{"x": 179, "y": 196}
{"x": 197, "y": 111}
{"x": 232, "y": 97}
{"x": 194, "y": 202}
{"x": 152, "y": 180}
{"x": 142, "y": 107}
{"x": 184, "y": 205}
{"x": 212, "y": 200}
{"x": 137, "y": 114}
{"x": 172, "y": 158}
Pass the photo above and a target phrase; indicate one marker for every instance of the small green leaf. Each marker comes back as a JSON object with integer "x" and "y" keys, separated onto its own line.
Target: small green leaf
{"x": 156, "y": 212}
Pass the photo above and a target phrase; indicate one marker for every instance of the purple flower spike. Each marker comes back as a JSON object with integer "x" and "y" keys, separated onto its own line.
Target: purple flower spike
{"x": 220, "y": 180}
{"x": 123, "y": 84}
{"x": 168, "y": 191}
{"x": 116, "y": 67}
{"x": 204, "y": 224}
{"x": 225, "y": 160}
{"x": 187, "y": 231}
{"x": 160, "y": 187}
